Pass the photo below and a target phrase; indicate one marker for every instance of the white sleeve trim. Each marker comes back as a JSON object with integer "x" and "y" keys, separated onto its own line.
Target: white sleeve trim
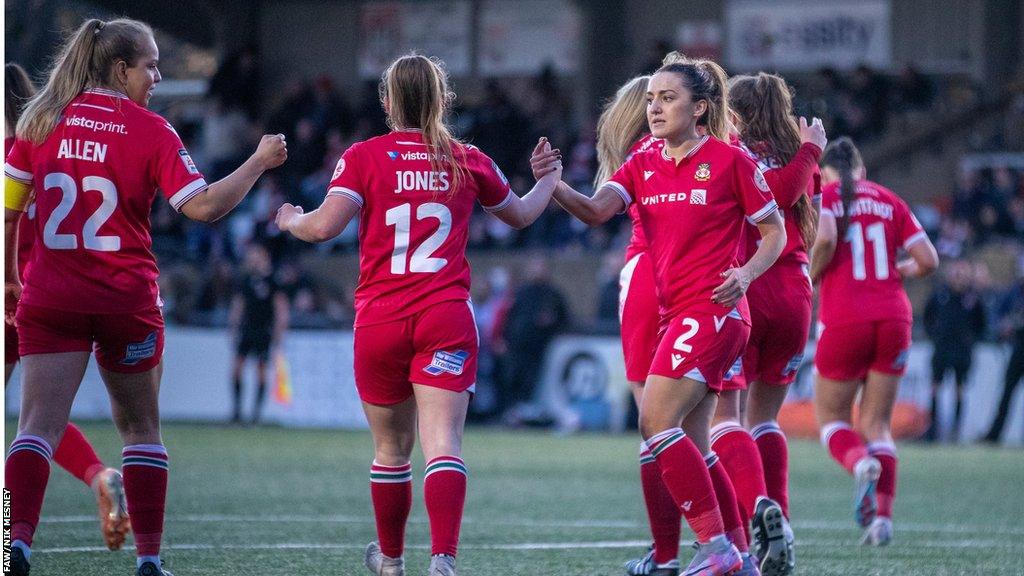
{"x": 347, "y": 193}
{"x": 828, "y": 212}
{"x": 187, "y": 192}
{"x": 922, "y": 235}
{"x": 622, "y": 192}
{"x": 500, "y": 205}
{"x": 764, "y": 212}
{"x": 19, "y": 175}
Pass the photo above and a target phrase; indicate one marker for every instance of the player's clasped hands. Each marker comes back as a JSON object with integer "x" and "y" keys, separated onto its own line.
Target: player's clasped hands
{"x": 730, "y": 291}
{"x": 272, "y": 151}
{"x": 813, "y": 133}
{"x": 546, "y": 160}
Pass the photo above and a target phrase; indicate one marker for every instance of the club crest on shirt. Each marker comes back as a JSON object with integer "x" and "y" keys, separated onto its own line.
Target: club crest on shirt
{"x": 450, "y": 362}
{"x": 339, "y": 168}
{"x": 187, "y": 161}
{"x": 703, "y": 173}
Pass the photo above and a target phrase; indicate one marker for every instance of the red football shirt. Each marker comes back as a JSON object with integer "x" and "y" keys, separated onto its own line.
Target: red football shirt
{"x": 94, "y": 179}
{"x": 788, "y": 182}
{"x": 693, "y": 214}
{"x": 413, "y": 227}
{"x": 861, "y": 282}
{"x": 638, "y": 242}
{"x": 26, "y": 234}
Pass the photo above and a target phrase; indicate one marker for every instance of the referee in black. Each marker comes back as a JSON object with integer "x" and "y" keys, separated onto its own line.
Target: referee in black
{"x": 258, "y": 320}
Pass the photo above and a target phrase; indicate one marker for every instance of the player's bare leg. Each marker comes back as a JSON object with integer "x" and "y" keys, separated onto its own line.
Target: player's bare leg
{"x": 442, "y": 418}
{"x": 669, "y": 406}
{"x": 134, "y": 402}
{"x": 833, "y": 403}
{"x": 393, "y": 429}
{"x": 875, "y": 421}
{"x": 49, "y": 386}
{"x": 663, "y": 515}
{"x": 761, "y": 412}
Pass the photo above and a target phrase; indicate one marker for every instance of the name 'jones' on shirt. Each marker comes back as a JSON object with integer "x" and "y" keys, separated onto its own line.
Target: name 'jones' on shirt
{"x": 412, "y": 181}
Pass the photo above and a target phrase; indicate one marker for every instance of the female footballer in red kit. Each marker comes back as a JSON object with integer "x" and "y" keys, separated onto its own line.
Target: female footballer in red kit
{"x": 693, "y": 197}
{"x": 74, "y": 453}
{"x": 94, "y": 156}
{"x": 865, "y": 321}
{"x": 753, "y": 449}
{"x": 415, "y": 337}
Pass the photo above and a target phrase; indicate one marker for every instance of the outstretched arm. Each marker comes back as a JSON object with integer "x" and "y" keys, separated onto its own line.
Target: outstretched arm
{"x": 321, "y": 224}
{"x": 223, "y": 195}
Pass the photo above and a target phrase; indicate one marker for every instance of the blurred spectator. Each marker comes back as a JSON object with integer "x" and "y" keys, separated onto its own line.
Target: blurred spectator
{"x": 954, "y": 319}
{"x": 608, "y": 299}
{"x": 538, "y": 313}
{"x": 258, "y": 321}
{"x": 236, "y": 84}
{"x": 1012, "y": 329}
{"x": 913, "y": 91}
{"x": 491, "y": 307}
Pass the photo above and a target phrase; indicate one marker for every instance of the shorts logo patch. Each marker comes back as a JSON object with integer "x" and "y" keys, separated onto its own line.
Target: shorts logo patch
{"x": 703, "y": 173}
{"x": 677, "y": 359}
{"x": 793, "y": 365}
{"x": 901, "y": 361}
{"x": 735, "y": 370}
{"x": 450, "y": 362}
{"x": 187, "y": 161}
{"x": 139, "y": 351}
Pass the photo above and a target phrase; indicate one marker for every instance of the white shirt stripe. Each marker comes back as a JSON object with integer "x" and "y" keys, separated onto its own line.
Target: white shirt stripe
{"x": 922, "y": 235}
{"x": 187, "y": 192}
{"x": 765, "y": 212}
{"x": 500, "y": 205}
{"x": 347, "y": 193}
{"x": 622, "y": 192}
{"x": 19, "y": 175}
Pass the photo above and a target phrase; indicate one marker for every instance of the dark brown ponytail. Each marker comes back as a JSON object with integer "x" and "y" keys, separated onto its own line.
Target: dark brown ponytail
{"x": 842, "y": 156}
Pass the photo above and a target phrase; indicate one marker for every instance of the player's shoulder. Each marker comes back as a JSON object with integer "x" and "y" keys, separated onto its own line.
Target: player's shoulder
{"x": 645, "y": 143}
{"x": 723, "y": 151}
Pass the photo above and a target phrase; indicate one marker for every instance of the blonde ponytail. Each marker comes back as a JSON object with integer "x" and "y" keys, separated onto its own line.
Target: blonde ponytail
{"x": 85, "y": 61}
{"x": 622, "y": 123}
{"x": 416, "y": 88}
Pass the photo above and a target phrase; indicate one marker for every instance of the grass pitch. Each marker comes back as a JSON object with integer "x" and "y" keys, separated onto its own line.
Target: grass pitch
{"x": 268, "y": 501}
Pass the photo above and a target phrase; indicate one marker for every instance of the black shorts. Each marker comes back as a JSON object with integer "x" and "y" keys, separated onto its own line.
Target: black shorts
{"x": 960, "y": 365}
{"x": 254, "y": 343}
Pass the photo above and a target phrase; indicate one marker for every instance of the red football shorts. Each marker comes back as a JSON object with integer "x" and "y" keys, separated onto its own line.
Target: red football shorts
{"x": 701, "y": 347}
{"x": 780, "y": 318}
{"x": 638, "y": 316}
{"x": 849, "y": 351}
{"x": 435, "y": 347}
{"x": 10, "y": 344}
{"x": 125, "y": 343}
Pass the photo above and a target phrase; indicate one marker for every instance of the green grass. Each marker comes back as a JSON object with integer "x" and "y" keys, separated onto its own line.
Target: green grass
{"x": 237, "y": 495}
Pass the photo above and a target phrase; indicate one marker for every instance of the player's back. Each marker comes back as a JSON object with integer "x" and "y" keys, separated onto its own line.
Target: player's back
{"x": 414, "y": 224}
{"x": 94, "y": 179}
{"x": 861, "y": 282}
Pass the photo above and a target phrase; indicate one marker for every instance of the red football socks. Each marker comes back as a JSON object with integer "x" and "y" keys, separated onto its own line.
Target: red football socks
{"x": 391, "y": 492}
